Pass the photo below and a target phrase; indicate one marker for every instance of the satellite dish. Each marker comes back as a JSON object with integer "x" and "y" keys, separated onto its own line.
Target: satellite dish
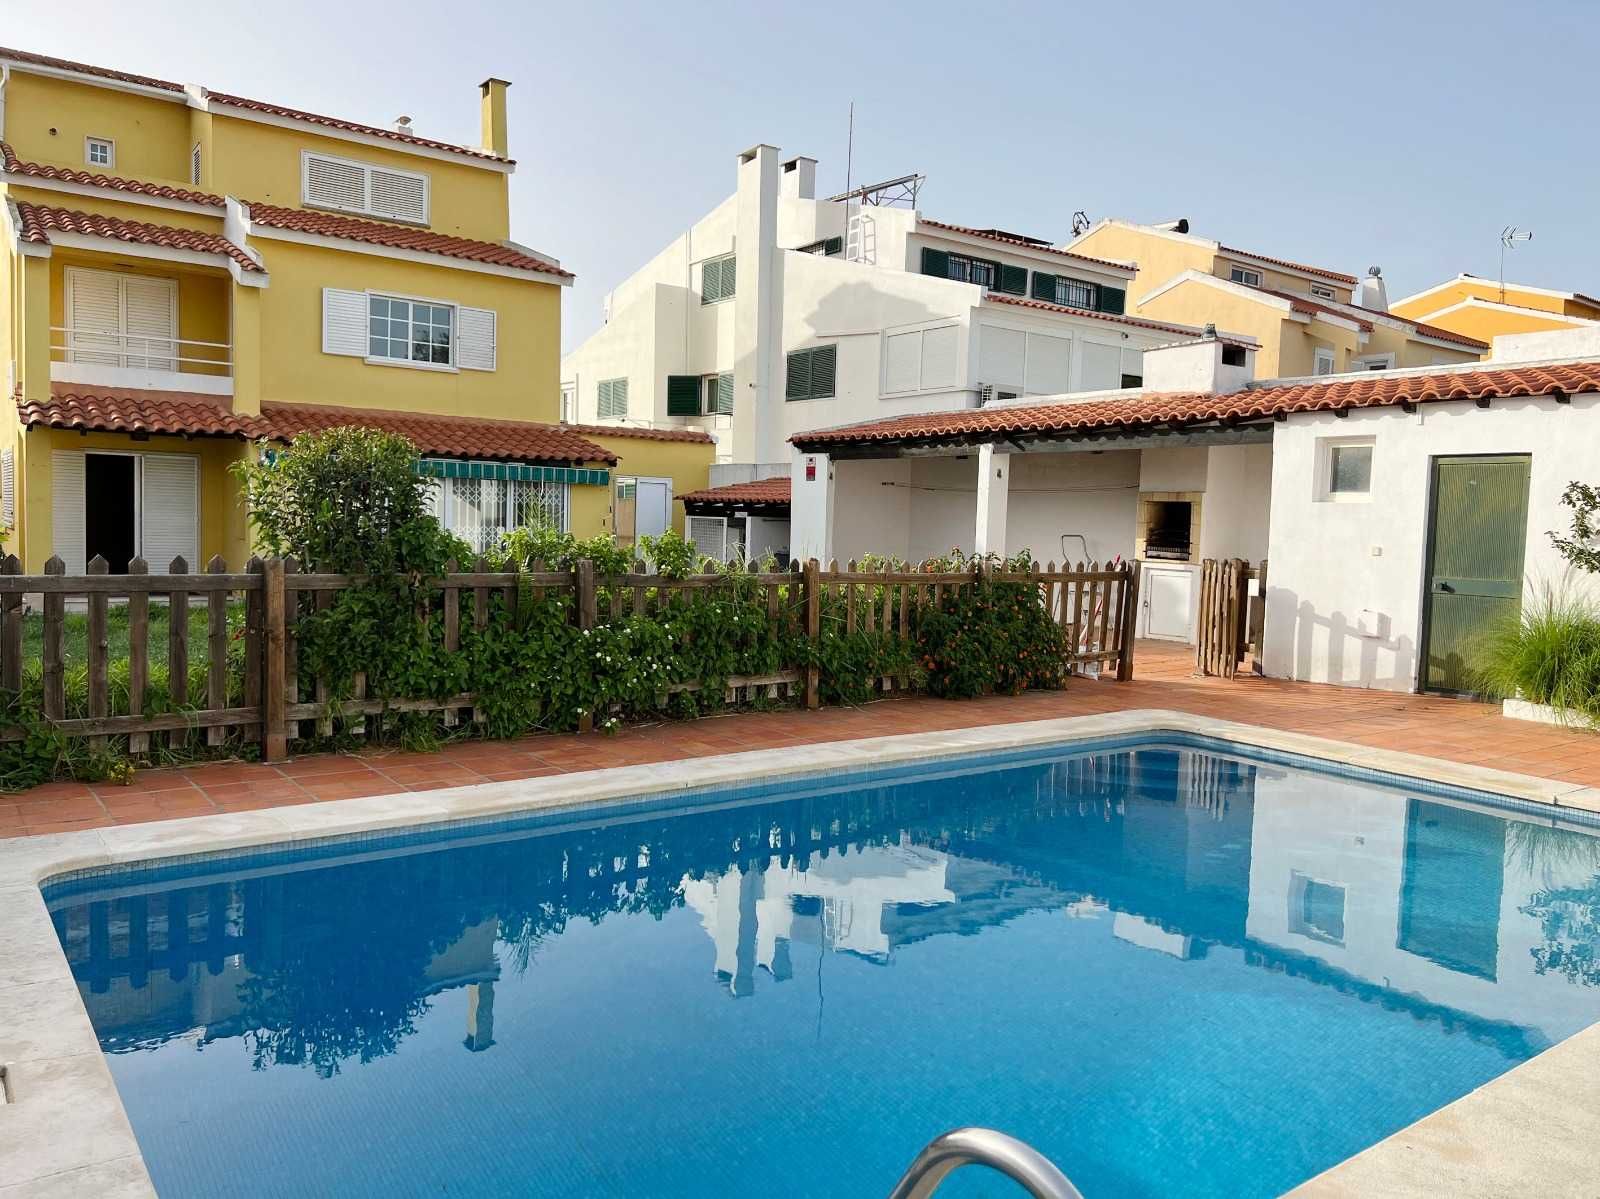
{"x": 1080, "y": 223}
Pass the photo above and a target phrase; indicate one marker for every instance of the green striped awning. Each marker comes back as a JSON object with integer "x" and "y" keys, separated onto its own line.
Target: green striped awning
{"x": 455, "y": 468}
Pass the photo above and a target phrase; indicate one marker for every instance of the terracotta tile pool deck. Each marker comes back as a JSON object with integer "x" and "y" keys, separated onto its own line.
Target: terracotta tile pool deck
{"x": 1458, "y": 730}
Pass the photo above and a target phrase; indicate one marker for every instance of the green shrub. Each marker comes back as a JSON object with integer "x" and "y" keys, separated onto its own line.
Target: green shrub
{"x": 991, "y": 637}
{"x": 1548, "y": 654}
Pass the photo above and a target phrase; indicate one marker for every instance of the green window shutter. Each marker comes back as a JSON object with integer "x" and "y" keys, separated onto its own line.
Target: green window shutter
{"x": 683, "y": 395}
{"x": 824, "y": 363}
{"x": 1044, "y": 287}
{"x": 613, "y": 399}
{"x": 797, "y": 376}
{"x": 725, "y": 394}
{"x": 834, "y": 245}
{"x": 935, "y": 262}
{"x": 711, "y": 281}
{"x": 1013, "y": 280}
{"x": 730, "y": 276}
{"x": 1112, "y": 299}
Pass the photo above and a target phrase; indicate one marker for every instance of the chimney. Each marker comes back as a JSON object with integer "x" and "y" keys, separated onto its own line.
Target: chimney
{"x": 1207, "y": 364}
{"x": 403, "y": 125}
{"x": 1181, "y": 225}
{"x": 799, "y": 180}
{"x": 1373, "y": 294}
{"x": 494, "y": 117}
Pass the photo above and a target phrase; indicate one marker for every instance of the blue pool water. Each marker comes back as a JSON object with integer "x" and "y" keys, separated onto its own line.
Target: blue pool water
{"x": 1172, "y": 968}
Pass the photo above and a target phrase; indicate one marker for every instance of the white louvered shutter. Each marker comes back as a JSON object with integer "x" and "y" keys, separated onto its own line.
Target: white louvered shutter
{"x": 94, "y": 318}
{"x": 170, "y": 508}
{"x": 150, "y": 320}
{"x": 708, "y": 535}
{"x": 399, "y": 195}
{"x": 8, "y": 489}
{"x": 344, "y": 322}
{"x": 475, "y": 339}
{"x": 67, "y": 534}
{"x": 335, "y": 183}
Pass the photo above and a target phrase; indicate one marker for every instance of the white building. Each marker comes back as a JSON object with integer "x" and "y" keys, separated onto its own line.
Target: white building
{"x": 778, "y": 313}
{"x": 1400, "y": 511}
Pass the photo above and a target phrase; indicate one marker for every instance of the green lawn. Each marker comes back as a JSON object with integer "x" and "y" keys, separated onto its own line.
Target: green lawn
{"x": 76, "y": 640}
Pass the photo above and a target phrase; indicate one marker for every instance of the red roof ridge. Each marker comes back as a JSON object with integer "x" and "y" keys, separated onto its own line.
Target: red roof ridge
{"x": 41, "y": 170}
{"x": 771, "y": 490}
{"x": 1367, "y": 389}
{"x": 1339, "y": 276}
{"x": 39, "y": 220}
{"x": 1424, "y": 328}
{"x": 1308, "y": 305}
{"x": 81, "y": 68}
{"x": 401, "y": 237}
{"x": 990, "y": 235}
{"x": 393, "y": 135}
{"x": 1141, "y": 322}
{"x": 697, "y": 436}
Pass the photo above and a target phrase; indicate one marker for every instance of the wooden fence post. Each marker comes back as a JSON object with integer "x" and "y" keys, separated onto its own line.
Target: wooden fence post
{"x": 178, "y": 650}
{"x": 138, "y": 653}
{"x": 55, "y": 619}
{"x": 11, "y": 632}
{"x": 813, "y": 587}
{"x": 216, "y": 649}
{"x": 1130, "y": 621}
{"x": 583, "y": 573}
{"x": 274, "y": 729}
{"x": 99, "y": 651}
{"x": 254, "y": 644}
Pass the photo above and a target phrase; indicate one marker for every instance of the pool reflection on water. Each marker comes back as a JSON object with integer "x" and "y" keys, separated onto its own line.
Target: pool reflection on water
{"x": 1168, "y": 968}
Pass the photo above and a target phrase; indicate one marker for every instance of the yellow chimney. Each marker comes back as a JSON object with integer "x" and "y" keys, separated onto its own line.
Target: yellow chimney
{"x": 494, "y": 116}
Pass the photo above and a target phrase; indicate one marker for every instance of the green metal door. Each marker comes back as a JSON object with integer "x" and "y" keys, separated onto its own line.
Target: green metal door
{"x": 1477, "y": 527}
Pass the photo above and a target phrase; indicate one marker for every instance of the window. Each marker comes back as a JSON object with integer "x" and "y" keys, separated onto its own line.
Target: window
{"x": 944, "y": 265}
{"x": 810, "y": 373}
{"x": 482, "y": 510}
{"x": 1344, "y": 469}
{"x": 1233, "y": 355}
{"x": 827, "y": 246}
{"x": 683, "y": 395}
{"x": 347, "y": 186}
{"x": 8, "y": 491}
{"x": 99, "y": 152}
{"x": 194, "y": 165}
{"x": 1245, "y": 275}
{"x": 569, "y": 402}
{"x": 1316, "y": 909}
{"x": 718, "y": 394}
{"x": 1375, "y": 362}
{"x": 1133, "y": 380}
{"x": 717, "y": 278}
{"x": 1076, "y": 293}
{"x": 1322, "y": 362}
{"x": 1322, "y": 292}
{"x": 613, "y": 399}
{"x": 920, "y": 359}
{"x": 409, "y": 330}
{"x": 121, "y": 320}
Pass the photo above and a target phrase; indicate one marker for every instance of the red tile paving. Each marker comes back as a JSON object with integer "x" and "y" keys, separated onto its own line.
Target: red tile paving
{"x": 1431, "y": 725}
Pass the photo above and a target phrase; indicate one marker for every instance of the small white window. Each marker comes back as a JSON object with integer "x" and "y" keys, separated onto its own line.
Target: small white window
{"x": 100, "y": 151}
{"x": 1375, "y": 362}
{"x": 1344, "y": 469}
{"x": 1242, "y": 274}
{"x": 1322, "y": 362}
{"x": 1322, "y": 292}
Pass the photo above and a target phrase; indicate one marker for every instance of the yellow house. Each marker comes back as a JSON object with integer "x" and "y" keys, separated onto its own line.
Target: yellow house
{"x": 1484, "y": 308}
{"x": 184, "y": 272}
{"x": 1308, "y": 320}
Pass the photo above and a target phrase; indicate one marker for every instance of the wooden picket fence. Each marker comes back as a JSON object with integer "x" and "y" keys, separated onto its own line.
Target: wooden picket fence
{"x": 273, "y": 704}
{"x": 1231, "y": 621}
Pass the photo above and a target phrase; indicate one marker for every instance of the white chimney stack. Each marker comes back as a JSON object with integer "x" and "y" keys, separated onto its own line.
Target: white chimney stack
{"x": 1373, "y": 294}
{"x": 799, "y": 179}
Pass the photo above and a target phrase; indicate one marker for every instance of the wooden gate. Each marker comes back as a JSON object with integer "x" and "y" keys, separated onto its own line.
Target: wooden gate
{"x": 1231, "y": 619}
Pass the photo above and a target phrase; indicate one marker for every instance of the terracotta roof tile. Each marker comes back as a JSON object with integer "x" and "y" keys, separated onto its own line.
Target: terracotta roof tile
{"x": 39, "y": 221}
{"x": 1312, "y": 308}
{"x": 762, "y": 492}
{"x": 40, "y": 170}
{"x": 393, "y": 135}
{"x": 1434, "y": 331}
{"x": 1023, "y": 244}
{"x": 72, "y": 406}
{"x": 698, "y": 436}
{"x": 62, "y": 64}
{"x": 401, "y": 237}
{"x": 1336, "y": 276}
{"x": 1151, "y": 409}
{"x": 1138, "y": 322}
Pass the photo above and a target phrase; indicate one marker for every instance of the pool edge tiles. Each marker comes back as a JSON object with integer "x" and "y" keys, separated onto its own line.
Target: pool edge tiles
{"x": 68, "y": 1132}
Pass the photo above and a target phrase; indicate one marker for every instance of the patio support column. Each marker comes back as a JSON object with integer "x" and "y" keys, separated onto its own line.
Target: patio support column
{"x": 994, "y": 487}
{"x": 810, "y": 506}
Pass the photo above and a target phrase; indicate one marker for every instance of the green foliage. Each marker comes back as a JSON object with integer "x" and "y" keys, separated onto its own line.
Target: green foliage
{"x": 1581, "y": 546}
{"x": 1549, "y": 653}
{"x": 991, "y": 637}
{"x": 519, "y": 548}
{"x": 669, "y": 554}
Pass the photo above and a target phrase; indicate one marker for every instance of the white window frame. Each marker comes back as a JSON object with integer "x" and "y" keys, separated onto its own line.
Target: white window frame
{"x": 110, "y": 144}
{"x": 455, "y": 325}
{"x": 1322, "y": 291}
{"x": 1320, "y": 355}
{"x": 719, "y": 259}
{"x": 1247, "y": 275}
{"x": 444, "y": 500}
{"x": 1323, "y": 471}
{"x": 366, "y": 209}
{"x": 1299, "y": 883}
{"x": 1375, "y": 362}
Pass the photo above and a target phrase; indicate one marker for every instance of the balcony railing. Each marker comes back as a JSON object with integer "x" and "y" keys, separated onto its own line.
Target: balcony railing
{"x": 110, "y": 357}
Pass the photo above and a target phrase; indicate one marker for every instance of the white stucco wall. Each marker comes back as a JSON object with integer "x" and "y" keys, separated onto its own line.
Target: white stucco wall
{"x": 1233, "y": 515}
{"x": 1329, "y": 560}
{"x": 1094, "y": 495}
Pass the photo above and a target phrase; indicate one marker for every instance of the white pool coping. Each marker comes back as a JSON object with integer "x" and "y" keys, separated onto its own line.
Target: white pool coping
{"x": 64, "y": 1132}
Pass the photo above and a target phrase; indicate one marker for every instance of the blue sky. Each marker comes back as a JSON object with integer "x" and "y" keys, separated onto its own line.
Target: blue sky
{"x": 1401, "y": 134}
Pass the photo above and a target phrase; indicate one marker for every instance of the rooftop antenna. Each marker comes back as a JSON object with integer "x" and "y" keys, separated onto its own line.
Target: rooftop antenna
{"x": 1509, "y": 237}
{"x": 1080, "y": 223}
{"x": 849, "y": 164}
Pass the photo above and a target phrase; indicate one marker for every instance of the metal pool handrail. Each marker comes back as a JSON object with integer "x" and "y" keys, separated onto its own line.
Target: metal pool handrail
{"x": 1020, "y": 1162}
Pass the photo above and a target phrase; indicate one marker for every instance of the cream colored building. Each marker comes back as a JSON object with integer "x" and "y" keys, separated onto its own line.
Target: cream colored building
{"x": 1485, "y": 309}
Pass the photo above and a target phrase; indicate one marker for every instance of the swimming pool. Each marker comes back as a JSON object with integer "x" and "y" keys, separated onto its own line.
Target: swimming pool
{"x": 1169, "y": 966}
